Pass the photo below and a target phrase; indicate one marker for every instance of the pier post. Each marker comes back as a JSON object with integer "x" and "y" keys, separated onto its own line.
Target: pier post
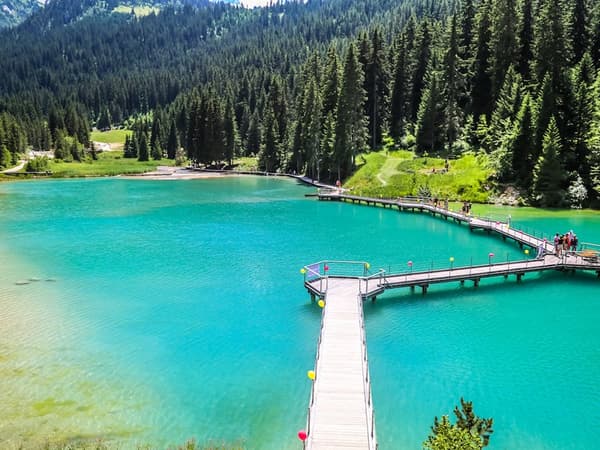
{"x": 476, "y": 282}
{"x": 519, "y": 276}
{"x": 412, "y": 288}
{"x": 312, "y": 297}
{"x": 462, "y": 282}
{"x": 374, "y": 298}
{"x": 424, "y": 288}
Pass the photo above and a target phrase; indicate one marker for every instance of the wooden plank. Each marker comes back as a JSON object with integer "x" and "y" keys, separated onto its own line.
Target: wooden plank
{"x": 340, "y": 415}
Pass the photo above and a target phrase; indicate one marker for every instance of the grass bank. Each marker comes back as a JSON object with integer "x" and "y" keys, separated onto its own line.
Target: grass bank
{"x": 402, "y": 173}
{"x": 114, "y": 138}
{"x": 107, "y": 164}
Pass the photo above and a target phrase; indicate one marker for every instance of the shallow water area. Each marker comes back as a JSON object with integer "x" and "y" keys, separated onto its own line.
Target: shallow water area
{"x": 177, "y": 310}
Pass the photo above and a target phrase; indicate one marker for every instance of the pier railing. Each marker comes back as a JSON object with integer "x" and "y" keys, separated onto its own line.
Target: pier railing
{"x": 367, "y": 381}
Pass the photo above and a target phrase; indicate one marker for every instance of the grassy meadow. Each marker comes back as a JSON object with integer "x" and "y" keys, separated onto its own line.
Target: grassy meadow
{"x": 402, "y": 173}
{"x": 107, "y": 164}
{"x": 115, "y": 138}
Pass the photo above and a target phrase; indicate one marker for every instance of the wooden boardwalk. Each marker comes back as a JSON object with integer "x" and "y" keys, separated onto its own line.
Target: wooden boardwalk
{"x": 341, "y": 410}
{"x": 420, "y": 205}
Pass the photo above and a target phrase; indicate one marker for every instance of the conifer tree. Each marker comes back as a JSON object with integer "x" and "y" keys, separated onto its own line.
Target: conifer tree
{"x": 583, "y": 78}
{"x": 93, "y": 152}
{"x": 467, "y": 29}
{"x": 331, "y": 81}
{"x": 254, "y": 138}
{"x": 156, "y": 151}
{"x": 507, "y": 107}
{"x": 430, "y": 122}
{"x": 481, "y": 83}
{"x": 549, "y": 175}
{"x": 377, "y": 88}
{"x": 420, "y": 58}
{"x": 525, "y": 54}
{"x": 350, "y": 130}
{"x": 579, "y": 29}
{"x": 143, "y": 152}
{"x": 399, "y": 100}
{"x": 311, "y": 129}
{"x": 503, "y": 42}
{"x": 595, "y": 35}
{"x": 173, "y": 141}
{"x": 452, "y": 85}
{"x": 231, "y": 136}
{"x": 269, "y": 158}
{"x": 593, "y": 143}
{"x": 522, "y": 145}
{"x": 551, "y": 49}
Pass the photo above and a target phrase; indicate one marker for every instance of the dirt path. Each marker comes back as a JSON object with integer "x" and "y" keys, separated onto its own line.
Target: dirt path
{"x": 16, "y": 168}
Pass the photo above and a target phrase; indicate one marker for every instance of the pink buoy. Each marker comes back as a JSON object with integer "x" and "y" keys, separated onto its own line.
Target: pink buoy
{"x": 302, "y": 435}
{"x": 491, "y": 255}
{"x": 410, "y": 263}
{"x": 326, "y": 268}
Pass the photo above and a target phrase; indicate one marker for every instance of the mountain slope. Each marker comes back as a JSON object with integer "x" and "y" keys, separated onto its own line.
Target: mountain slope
{"x": 13, "y": 12}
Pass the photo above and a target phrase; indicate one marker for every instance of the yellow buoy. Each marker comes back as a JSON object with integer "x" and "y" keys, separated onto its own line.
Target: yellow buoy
{"x": 321, "y": 303}
{"x": 367, "y": 266}
{"x": 303, "y": 271}
{"x": 311, "y": 374}
{"x": 527, "y": 251}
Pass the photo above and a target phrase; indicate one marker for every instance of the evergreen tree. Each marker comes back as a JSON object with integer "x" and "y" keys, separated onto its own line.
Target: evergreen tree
{"x": 350, "y": 129}
{"x": 231, "y": 136}
{"x": 399, "y": 100}
{"x": 595, "y": 35}
{"x": 103, "y": 122}
{"x": 503, "y": 41}
{"x": 156, "y": 151}
{"x": 593, "y": 143}
{"x": 481, "y": 83}
{"x": 93, "y": 152}
{"x": 467, "y": 29}
{"x": 522, "y": 145}
{"x": 143, "y": 151}
{"x": 507, "y": 107}
{"x": 377, "y": 88}
{"x": 254, "y": 139}
{"x": 525, "y": 54}
{"x": 269, "y": 157}
{"x": 430, "y": 122}
{"x": 453, "y": 88}
{"x": 331, "y": 87}
{"x": 467, "y": 420}
{"x": 548, "y": 175}
{"x": 420, "y": 59}
{"x": 155, "y": 137}
{"x": 311, "y": 129}
{"x": 451, "y": 437}
{"x": 579, "y": 29}
{"x": 584, "y": 110}
{"x": 5, "y": 157}
{"x": 551, "y": 49}
{"x": 173, "y": 141}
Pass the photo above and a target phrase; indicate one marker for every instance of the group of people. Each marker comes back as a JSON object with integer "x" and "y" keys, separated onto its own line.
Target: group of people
{"x": 565, "y": 242}
{"x": 466, "y": 208}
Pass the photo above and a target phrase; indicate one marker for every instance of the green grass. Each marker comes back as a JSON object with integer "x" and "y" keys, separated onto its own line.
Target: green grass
{"x": 245, "y": 163}
{"x": 401, "y": 173}
{"x": 116, "y": 138}
{"x": 108, "y": 164}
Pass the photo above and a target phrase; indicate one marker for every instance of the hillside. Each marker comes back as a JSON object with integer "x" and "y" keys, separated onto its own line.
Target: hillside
{"x": 13, "y": 12}
{"x": 310, "y": 87}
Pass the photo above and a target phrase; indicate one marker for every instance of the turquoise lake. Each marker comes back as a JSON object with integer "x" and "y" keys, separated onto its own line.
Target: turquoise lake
{"x": 157, "y": 311}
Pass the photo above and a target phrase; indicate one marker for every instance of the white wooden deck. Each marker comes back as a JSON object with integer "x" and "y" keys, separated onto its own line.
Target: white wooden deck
{"x": 341, "y": 412}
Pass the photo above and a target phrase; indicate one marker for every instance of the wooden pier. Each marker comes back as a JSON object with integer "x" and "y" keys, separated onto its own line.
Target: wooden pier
{"x": 341, "y": 413}
{"x": 341, "y": 410}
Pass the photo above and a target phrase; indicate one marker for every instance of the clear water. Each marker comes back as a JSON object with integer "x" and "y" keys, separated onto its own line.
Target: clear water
{"x": 176, "y": 310}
